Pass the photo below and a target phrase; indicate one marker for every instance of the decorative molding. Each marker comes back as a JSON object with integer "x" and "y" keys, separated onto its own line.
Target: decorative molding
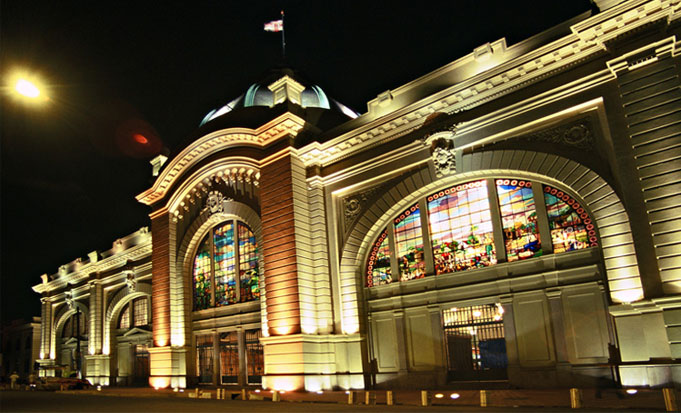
{"x": 131, "y": 281}
{"x": 577, "y": 134}
{"x": 587, "y": 39}
{"x": 284, "y": 125}
{"x": 355, "y": 203}
{"x": 442, "y": 152}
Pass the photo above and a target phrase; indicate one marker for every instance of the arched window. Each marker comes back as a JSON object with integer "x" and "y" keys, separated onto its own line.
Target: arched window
{"x": 461, "y": 223}
{"x": 226, "y": 248}
{"x": 135, "y": 314}
{"x": 70, "y": 329}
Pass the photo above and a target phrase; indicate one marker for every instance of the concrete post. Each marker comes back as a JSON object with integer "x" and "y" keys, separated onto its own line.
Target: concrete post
{"x": 575, "y": 398}
{"x": 424, "y": 398}
{"x": 389, "y": 400}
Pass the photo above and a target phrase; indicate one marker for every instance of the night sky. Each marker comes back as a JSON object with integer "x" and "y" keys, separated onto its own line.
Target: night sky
{"x": 71, "y": 167}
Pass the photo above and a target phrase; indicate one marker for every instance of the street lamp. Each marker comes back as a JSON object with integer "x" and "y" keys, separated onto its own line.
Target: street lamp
{"x": 27, "y": 88}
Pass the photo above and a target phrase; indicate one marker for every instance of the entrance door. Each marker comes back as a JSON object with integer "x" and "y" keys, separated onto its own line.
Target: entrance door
{"x": 141, "y": 372}
{"x": 476, "y": 347}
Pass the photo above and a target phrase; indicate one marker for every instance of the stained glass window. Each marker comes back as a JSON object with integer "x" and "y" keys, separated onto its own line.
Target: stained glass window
{"x": 378, "y": 268}
{"x": 570, "y": 225}
{"x": 215, "y": 267}
{"x": 140, "y": 308}
{"x": 225, "y": 272}
{"x": 518, "y": 219}
{"x": 202, "y": 276}
{"x": 409, "y": 244}
{"x": 461, "y": 228}
{"x": 125, "y": 318}
{"x": 248, "y": 264}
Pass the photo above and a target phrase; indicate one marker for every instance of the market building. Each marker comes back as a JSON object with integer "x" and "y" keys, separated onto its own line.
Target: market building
{"x": 513, "y": 216}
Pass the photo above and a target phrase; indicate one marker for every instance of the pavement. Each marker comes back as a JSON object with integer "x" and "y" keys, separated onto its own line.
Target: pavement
{"x": 468, "y": 400}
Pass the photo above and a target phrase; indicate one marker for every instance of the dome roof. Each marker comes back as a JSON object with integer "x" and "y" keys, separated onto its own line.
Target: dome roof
{"x": 278, "y": 86}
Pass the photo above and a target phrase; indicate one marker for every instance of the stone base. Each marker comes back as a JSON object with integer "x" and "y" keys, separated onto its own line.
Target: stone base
{"x": 168, "y": 367}
{"x": 313, "y": 362}
{"x": 45, "y": 370}
{"x": 98, "y": 369}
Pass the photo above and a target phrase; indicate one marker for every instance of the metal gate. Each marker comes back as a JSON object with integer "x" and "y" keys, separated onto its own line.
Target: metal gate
{"x": 204, "y": 358}
{"x": 476, "y": 347}
{"x": 229, "y": 358}
{"x": 255, "y": 358}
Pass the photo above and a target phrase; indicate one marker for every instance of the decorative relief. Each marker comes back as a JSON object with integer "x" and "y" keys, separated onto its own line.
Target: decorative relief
{"x": 443, "y": 155}
{"x": 214, "y": 202}
{"x": 577, "y": 134}
{"x": 68, "y": 298}
{"x": 355, "y": 203}
{"x": 131, "y": 282}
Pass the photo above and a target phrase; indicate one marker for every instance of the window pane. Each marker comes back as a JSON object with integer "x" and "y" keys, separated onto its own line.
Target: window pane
{"x": 141, "y": 309}
{"x": 202, "y": 276}
{"x": 378, "y": 267}
{"x": 519, "y": 219}
{"x": 125, "y": 318}
{"x": 461, "y": 228}
{"x": 255, "y": 359}
{"x": 225, "y": 274}
{"x": 248, "y": 264}
{"x": 204, "y": 358}
{"x": 570, "y": 225}
{"x": 410, "y": 244}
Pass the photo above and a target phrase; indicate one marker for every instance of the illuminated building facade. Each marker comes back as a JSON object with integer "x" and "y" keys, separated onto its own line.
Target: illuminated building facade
{"x": 513, "y": 215}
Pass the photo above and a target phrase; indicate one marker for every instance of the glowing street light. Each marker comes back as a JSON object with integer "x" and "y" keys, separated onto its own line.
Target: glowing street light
{"x": 27, "y": 88}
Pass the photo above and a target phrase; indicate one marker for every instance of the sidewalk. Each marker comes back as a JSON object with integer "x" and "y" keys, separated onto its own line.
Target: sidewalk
{"x": 615, "y": 399}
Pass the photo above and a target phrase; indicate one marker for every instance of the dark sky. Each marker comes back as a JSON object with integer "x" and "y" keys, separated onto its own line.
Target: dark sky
{"x": 71, "y": 168}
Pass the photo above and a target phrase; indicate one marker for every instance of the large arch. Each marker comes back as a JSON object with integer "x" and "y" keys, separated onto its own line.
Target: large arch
{"x": 116, "y": 304}
{"x": 62, "y": 315}
{"x": 606, "y": 209}
{"x": 195, "y": 233}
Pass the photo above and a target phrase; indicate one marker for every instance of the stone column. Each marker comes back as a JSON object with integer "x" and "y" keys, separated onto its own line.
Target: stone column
{"x": 45, "y": 336}
{"x": 301, "y": 352}
{"x": 167, "y": 357}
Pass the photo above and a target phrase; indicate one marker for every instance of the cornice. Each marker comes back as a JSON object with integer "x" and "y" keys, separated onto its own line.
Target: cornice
{"x": 134, "y": 253}
{"x": 284, "y": 125}
{"x": 587, "y": 39}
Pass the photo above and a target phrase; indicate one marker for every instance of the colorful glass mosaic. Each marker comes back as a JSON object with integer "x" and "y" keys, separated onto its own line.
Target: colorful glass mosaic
{"x": 570, "y": 225}
{"x": 409, "y": 244}
{"x": 518, "y": 219}
{"x": 461, "y": 228}
{"x": 248, "y": 264}
{"x": 202, "y": 276}
{"x": 378, "y": 268}
{"x": 225, "y": 262}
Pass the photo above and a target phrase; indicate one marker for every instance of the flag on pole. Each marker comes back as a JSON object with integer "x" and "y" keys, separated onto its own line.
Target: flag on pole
{"x": 275, "y": 26}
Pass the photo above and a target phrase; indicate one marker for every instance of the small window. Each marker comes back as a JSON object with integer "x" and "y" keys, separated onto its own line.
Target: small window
{"x": 140, "y": 306}
{"x": 125, "y": 318}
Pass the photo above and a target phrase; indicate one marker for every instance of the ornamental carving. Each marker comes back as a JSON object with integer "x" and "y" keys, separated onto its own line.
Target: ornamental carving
{"x": 131, "y": 282}
{"x": 443, "y": 155}
{"x": 214, "y": 202}
{"x": 577, "y": 134}
{"x": 355, "y": 203}
{"x": 68, "y": 298}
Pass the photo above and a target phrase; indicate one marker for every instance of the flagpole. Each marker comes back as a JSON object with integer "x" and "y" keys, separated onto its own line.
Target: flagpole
{"x": 283, "y": 36}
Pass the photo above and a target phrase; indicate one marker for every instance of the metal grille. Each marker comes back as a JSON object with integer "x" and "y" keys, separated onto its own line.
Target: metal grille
{"x": 476, "y": 348}
{"x": 229, "y": 357}
{"x": 204, "y": 358}
{"x": 254, "y": 356}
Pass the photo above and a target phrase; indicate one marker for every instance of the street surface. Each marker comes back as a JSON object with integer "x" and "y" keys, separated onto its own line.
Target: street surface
{"x": 25, "y": 401}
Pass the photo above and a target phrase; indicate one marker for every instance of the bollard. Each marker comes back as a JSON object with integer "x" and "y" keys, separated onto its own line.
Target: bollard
{"x": 483, "y": 398}
{"x": 351, "y": 397}
{"x": 244, "y": 394}
{"x": 275, "y": 396}
{"x": 369, "y": 397}
{"x": 424, "y": 398}
{"x": 669, "y": 399}
{"x": 389, "y": 398}
{"x": 196, "y": 393}
{"x": 575, "y": 398}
